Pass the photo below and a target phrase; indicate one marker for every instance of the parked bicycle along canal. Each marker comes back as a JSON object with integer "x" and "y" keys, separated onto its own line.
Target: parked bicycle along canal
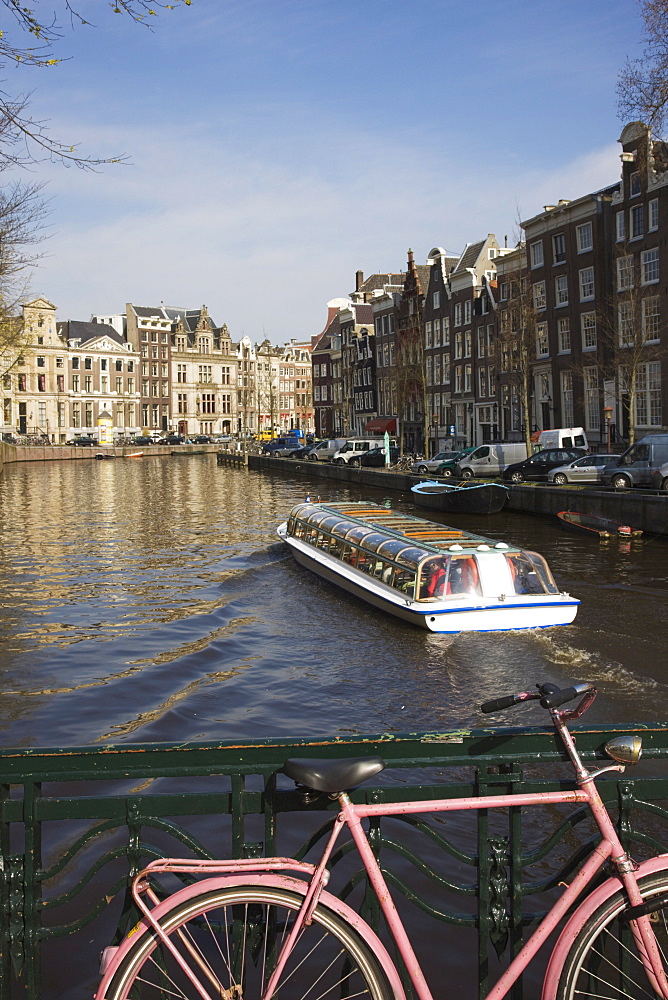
{"x": 150, "y": 600}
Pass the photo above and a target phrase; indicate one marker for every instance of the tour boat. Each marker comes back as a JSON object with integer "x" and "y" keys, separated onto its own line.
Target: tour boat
{"x": 439, "y": 578}
{"x": 466, "y": 498}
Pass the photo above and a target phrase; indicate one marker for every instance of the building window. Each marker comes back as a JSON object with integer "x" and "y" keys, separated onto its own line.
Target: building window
{"x": 41, "y": 363}
{"x": 204, "y": 345}
{"x": 467, "y": 378}
{"x": 634, "y": 184}
{"x": 119, "y": 365}
{"x": 75, "y": 383}
{"x": 131, "y": 385}
{"x": 653, "y": 215}
{"x": 467, "y": 311}
{"x": 76, "y": 415}
{"x": 592, "y": 411}
{"x": 564, "y": 335}
{"x": 542, "y": 349}
{"x": 75, "y": 362}
{"x": 119, "y": 384}
{"x": 620, "y": 226}
{"x": 41, "y": 383}
{"x": 482, "y": 382}
{"x": 481, "y": 342}
{"x": 636, "y": 221}
{"x": 539, "y": 295}
{"x": 468, "y": 344}
{"x": 559, "y": 248}
{"x": 88, "y": 363}
{"x": 459, "y": 345}
{"x": 458, "y": 314}
{"x": 586, "y": 284}
{"x": 88, "y": 414}
{"x": 536, "y": 250}
{"x": 181, "y": 373}
{"x": 649, "y": 266}
{"x": 625, "y": 323}
{"x": 437, "y": 333}
{"x": 588, "y": 323}
{"x": 650, "y": 317}
{"x": 648, "y": 395}
{"x": 567, "y": 398}
{"x": 181, "y": 402}
{"x": 561, "y": 290}
{"x": 437, "y": 300}
{"x": 585, "y": 237}
{"x": 88, "y": 383}
{"x": 60, "y": 382}
{"x": 624, "y": 273}
{"x": 503, "y": 291}
{"x": 104, "y": 384}
{"x": 208, "y": 402}
{"x": 205, "y": 373}
{"x": 427, "y": 334}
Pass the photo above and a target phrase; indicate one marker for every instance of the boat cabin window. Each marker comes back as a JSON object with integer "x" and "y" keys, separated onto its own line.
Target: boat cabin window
{"x": 463, "y": 577}
{"x": 444, "y": 576}
{"x": 530, "y": 574}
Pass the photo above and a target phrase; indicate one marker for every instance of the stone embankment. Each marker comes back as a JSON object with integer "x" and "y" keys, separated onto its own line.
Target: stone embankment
{"x": 642, "y": 510}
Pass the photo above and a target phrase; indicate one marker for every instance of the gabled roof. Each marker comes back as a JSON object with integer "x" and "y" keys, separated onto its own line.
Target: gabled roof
{"x": 469, "y": 256}
{"x": 87, "y": 333}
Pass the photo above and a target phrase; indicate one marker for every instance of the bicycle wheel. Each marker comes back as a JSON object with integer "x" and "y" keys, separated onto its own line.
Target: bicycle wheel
{"x": 230, "y": 938}
{"x": 603, "y": 961}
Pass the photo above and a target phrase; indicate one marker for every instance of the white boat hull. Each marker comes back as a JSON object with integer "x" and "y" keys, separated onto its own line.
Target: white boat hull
{"x": 464, "y": 613}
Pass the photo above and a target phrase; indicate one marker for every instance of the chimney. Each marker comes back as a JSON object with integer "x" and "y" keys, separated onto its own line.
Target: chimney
{"x": 359, "y": 280}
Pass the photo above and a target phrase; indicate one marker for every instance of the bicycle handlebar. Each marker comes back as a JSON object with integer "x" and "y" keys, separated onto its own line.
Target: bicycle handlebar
{"x": 550, "y": 697}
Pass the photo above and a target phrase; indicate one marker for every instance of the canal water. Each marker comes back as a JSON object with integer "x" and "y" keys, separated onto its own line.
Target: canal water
{"x": 150, "y": 600}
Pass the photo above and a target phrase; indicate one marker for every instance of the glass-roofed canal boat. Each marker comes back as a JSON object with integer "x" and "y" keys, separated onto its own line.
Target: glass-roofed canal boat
{"x": 439, "y": 578}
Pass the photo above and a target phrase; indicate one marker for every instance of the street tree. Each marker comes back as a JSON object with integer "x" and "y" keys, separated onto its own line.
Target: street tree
{"x": 642, "y": 86}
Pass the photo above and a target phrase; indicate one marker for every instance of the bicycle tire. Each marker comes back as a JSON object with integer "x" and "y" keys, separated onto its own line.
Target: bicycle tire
{"x": 603, "y": 960}
{"x": 236, "y": 943}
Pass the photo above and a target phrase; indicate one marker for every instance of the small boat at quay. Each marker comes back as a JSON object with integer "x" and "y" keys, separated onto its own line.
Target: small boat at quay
{"x": 440, "y": 578}
{"x": 467, "y": 498}
{"x": 592, "y": 524}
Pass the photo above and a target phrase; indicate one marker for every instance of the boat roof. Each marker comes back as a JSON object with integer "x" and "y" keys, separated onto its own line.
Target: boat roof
{"x": 426, "y": 534}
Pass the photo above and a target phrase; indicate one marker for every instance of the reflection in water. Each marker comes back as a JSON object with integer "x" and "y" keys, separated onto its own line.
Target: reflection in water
{"x": 150, "y": 600}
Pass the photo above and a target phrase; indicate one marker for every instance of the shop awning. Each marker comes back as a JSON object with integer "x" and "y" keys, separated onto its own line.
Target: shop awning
{"x": 381, "y": 424}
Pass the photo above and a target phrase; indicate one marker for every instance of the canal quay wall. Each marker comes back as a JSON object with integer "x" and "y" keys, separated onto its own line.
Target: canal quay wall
{"x": 70, "y": 453}
{"x": 644, "y": 511}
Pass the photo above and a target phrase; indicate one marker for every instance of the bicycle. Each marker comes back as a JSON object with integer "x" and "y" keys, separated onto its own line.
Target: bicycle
{"x": 267, "y": 927}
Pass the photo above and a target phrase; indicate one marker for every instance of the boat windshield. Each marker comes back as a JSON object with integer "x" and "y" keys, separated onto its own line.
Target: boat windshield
{"x": 531, "y": 574}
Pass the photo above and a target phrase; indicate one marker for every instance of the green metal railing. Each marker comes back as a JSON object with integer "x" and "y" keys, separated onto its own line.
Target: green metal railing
{"x": 75, "y": 824}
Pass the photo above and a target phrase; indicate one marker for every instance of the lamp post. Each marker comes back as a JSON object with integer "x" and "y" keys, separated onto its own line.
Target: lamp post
{"x": 607, "y": 414}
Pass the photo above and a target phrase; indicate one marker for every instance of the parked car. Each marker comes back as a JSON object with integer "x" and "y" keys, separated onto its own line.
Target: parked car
{"x": 85, "y": 441}
{"x": 588, "y": 469}
{"x": 447, "y": 468}
{"x": 537, "y": 466}
{"x": 143, "y": 440}
{"x": 660, "y": 478}
{"x": 326, "y": 450}
{"x": 425, "y": 465}
{"x": 201, "y": 439}
{"x": 301, "y": 452}
{"x": 636, "y": 465}
{"x": 281, "y": 444}
{"x": 353, "y": 450}
{"x": 376, "y": 456}
{"x": 173, "y": 439}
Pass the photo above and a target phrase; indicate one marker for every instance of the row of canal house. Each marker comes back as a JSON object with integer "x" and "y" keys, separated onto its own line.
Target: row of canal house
{"x": 153, "y": 368}
{"x": 568, "y": 328}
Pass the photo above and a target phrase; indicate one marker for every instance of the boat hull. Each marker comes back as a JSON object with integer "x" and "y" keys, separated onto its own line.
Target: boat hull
{"x": 452, "y": 616}
{"x": 591, "y": 524}
{"x": 482, "y": 498}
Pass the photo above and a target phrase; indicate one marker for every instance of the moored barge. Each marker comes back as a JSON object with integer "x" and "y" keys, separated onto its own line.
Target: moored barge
{"x": 439, "y": 578}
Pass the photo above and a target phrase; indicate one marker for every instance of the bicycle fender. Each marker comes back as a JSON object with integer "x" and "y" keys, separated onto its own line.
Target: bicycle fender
{"x": 582, "y": 914}
{"x": 112, "y": 957}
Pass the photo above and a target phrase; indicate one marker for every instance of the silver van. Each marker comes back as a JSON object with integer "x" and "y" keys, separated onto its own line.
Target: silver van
{"x": 491, "y": 459}
{"x": 636, "y": 465}
{"x": 326, "y": 450}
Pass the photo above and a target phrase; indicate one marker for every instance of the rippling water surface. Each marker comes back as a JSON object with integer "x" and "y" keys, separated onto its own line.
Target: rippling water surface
{"x": 150, "y": 600}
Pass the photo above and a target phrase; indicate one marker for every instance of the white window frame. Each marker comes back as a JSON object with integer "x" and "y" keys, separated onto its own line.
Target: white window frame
{"x": 588, "y": 331}
{"x": 625, "y": 273}
{"x": 620, "y": 226}
{"x": 585, "y": 237}
{"x": 586, "y": 283}
{"x": 542, "y": 341}
{"x": 564, "y": 335}
{"x": 559, "y": 241}
{"x": 561, "y": 290}
{"x": 539, "y": 299}
{"x": 536, "y": 250}
{"x": 649, "y": 266}
{"x": 651, "y": 319}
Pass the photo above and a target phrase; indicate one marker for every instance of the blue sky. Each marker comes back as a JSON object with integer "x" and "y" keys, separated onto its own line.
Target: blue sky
{"x": 278, "y": 146}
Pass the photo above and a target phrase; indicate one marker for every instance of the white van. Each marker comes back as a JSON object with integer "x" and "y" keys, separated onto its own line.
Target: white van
{"x": 326, "y": 450}
{"x": 563, "y": 437}
{"x": 491, "y": 459}
{"x": 354, "y": 448}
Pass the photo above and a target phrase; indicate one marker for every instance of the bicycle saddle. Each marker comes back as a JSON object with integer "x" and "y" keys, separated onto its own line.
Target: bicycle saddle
{"x": 332, "y": 775}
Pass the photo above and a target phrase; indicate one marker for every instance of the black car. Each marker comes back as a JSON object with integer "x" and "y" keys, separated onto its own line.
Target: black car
{"x": 537, "y": 466}
{"x": 142, "y": 439}
{"x": 85, "y": 441}
{"x": 376, "y": 456}
{"x": 173, "y": 439}
{"x": 200, "y": 439}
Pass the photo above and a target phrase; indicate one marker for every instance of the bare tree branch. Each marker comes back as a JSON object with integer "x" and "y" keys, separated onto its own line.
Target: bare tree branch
{"x": 642, "y": 87}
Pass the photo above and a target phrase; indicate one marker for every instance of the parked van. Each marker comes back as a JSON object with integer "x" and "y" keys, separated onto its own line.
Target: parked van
{"x": 490, "y": 459}
{"x": 563, "y": 437}
{"x": 636, "y": 465}
{"x": 353, "y": 449}
{"x": 325, "y": 450}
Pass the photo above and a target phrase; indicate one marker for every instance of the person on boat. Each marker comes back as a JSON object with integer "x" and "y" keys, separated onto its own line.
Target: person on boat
{"x": 463, "y": 578}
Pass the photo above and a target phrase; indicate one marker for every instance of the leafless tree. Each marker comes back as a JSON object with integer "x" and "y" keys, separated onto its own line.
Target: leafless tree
{"x": 22, "y": 213}
{"x": 34, "y": 42}
{"x": 642, "y": 87}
